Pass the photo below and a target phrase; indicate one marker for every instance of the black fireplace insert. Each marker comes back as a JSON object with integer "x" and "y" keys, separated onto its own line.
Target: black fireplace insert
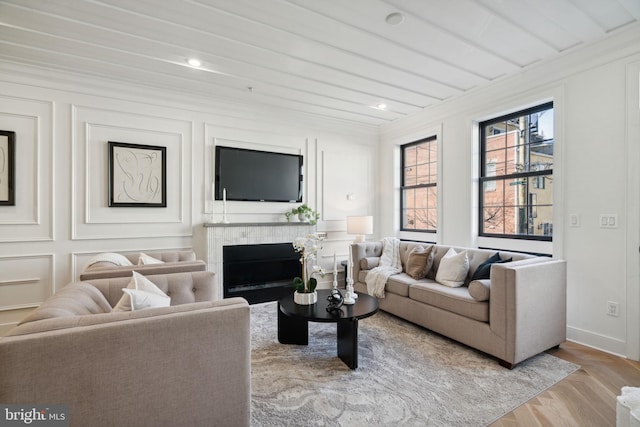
{"x": 259, "y": 273}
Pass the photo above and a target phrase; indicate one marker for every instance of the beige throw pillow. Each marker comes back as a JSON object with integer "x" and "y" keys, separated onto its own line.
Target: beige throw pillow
{"x": 453, "y": 269}
{"x": 419, "y": 262}
{"x": 141, "y": 293}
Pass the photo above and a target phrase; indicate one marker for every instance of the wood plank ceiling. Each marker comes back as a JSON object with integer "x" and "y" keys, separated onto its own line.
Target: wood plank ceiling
{"x": 333, "y": 58}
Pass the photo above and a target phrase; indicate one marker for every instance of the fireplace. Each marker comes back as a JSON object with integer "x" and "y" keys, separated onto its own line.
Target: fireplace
{"x": 219, "y": 235}
{"x": 259, "y": 273}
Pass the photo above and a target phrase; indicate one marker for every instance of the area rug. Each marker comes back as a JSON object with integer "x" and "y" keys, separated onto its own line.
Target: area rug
{"x": 406, "y": 376}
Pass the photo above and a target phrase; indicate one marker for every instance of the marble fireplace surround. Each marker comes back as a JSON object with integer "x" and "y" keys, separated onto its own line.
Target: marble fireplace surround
{"x": 224, "y": 234}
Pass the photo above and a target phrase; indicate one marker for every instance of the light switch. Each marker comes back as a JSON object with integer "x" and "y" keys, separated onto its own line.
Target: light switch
{"x": 609, "y": 221}
{"x": 574, "y": 220}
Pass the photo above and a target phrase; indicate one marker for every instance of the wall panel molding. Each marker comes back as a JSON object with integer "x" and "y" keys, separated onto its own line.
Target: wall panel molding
{"x": 32, "y": 217}
{"x": 27, "y": 280}
{"x": 92, "y": 128}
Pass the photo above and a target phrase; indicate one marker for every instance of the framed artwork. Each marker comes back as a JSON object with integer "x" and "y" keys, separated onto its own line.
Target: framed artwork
{"x": 137, "y": 175}
{"x": 7, "y": 168}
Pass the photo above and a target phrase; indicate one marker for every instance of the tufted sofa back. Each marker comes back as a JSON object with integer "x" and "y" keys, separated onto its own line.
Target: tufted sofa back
{"x": 476, "y": 256}
{"x": 183, "y": 288}
{"x": 168, "y": 256}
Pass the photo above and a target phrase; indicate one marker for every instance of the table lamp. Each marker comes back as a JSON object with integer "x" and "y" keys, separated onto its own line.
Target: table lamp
{"x": 359, "y": 226}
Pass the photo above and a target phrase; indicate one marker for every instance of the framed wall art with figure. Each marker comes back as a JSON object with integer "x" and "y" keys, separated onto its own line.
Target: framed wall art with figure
{"x": 137, "y": 175}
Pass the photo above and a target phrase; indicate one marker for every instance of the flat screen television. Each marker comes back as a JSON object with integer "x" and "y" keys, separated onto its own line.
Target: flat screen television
{"x": 259, "y": 176}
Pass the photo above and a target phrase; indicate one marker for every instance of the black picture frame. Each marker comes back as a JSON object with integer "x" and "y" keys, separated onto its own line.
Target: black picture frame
{"x": 137, "y": 175}
{"x": 7, "y": 168}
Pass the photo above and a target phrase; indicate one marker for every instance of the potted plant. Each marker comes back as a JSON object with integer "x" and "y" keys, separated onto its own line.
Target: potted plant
{"x": 304, "y": 213}
{"x": 305, "y": 286}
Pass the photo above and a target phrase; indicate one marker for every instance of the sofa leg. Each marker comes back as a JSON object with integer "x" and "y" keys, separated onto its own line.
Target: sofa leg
{"x": 506, "y": 364}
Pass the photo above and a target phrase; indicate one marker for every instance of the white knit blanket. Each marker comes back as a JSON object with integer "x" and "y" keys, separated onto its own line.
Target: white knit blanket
{"x": 390, "y": 264}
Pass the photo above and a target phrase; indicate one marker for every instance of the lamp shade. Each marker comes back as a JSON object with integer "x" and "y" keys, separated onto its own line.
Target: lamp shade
{"x": 360, "y": 225}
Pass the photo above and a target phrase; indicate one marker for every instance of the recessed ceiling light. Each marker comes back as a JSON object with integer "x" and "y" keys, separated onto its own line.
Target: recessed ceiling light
{"x": 194, "y": 62}
{"x": 394, "y": 18}
{"x": 381, "y": 106}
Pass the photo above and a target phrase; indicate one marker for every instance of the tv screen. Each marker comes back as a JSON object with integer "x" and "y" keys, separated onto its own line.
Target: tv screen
{"x": 252, "y": 175}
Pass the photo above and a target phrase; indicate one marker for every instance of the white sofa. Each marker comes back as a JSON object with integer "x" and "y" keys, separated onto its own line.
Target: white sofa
{"x": 524, "y": 312}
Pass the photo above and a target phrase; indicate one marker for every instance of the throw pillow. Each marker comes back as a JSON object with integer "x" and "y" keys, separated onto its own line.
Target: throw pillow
{"x": 145, "y": 259}
{"x": 453, "y": 269}
{"x": 369, "y": 263}
{"x": 141, "y": 293}
{"x": 480, "y": 289}
{"x": 419, "y": 262}
{"x": 483, "y": 270}
{"x": 111, "y": 258}
{"x": 486, "y": 273}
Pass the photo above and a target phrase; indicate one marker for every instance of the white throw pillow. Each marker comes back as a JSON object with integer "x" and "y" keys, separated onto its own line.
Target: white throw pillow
{"x": 453, "y": 269}
{"x": 141, "y": 293}
{"x": 145, "y": 259}
{"x": 110, "y": 257}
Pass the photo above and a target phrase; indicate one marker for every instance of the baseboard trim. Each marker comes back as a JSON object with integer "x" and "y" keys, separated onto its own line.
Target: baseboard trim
{"x": 600, "y": 342}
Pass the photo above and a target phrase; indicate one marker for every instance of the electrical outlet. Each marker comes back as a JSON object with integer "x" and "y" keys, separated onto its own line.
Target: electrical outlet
{"x": 613, "y": 309}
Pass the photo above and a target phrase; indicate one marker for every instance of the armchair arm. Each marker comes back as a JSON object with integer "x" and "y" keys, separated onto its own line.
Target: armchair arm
{"x": 363, "y": 250}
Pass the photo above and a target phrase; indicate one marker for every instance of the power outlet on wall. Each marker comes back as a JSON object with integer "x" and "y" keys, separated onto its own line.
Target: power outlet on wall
{"x": 613, "y": 309}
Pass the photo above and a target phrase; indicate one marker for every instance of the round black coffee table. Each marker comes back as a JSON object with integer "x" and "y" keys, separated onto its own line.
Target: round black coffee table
{"x": 293, "y": 322}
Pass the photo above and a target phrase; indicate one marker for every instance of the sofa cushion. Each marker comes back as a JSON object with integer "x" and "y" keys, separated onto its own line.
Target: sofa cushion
{"x": 72, "y": 300}
{"x": 399, "y": 284}
{"x": 419, "y": 262}
{"x": 456, "y": 300}
{"x": 480, "y": 289}
{"x": 453, "y": 268}
{"x": 141, "y": 293}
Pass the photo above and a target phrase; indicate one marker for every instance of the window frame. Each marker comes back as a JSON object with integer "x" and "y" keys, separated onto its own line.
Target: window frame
{"x": 431, "y": 139}
{"x": 534, "y": 174}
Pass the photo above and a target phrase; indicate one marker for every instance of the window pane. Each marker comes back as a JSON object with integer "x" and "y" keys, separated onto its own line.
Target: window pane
{"x": 493, "y": 220}
{"x": 409, "y": 199}
{"x": 432, "y": 219}
{"x": 421, "y": 219}
{"x": 543, "y": 224}
{"x": 423, "y": 174}
{"x": 408, "y": 218}
{"x": 410, "y": 177}
{"x": 433, "y": 172}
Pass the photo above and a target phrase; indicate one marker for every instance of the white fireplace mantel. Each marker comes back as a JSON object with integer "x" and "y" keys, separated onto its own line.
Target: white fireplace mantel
{"x": 225, "y": 234}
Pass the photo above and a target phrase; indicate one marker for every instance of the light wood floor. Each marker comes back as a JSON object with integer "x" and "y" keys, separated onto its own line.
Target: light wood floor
{"x": 585, "y": 398}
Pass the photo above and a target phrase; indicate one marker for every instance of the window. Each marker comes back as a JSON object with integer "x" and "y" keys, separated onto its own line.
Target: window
{"x": 516, "y": 175}
{"x": 419, "y": 192}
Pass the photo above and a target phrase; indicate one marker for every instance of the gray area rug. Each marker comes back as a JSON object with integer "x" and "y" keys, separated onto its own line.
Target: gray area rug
{"x": 406, "y": 376}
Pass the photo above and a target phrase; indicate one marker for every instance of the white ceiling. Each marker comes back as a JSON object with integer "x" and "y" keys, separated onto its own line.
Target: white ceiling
{"x": 334, "y": 58}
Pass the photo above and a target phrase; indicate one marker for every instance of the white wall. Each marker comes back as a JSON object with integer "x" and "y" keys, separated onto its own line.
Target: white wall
{"x": 61, "y": 218}
{"x": 596, "y": 102}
